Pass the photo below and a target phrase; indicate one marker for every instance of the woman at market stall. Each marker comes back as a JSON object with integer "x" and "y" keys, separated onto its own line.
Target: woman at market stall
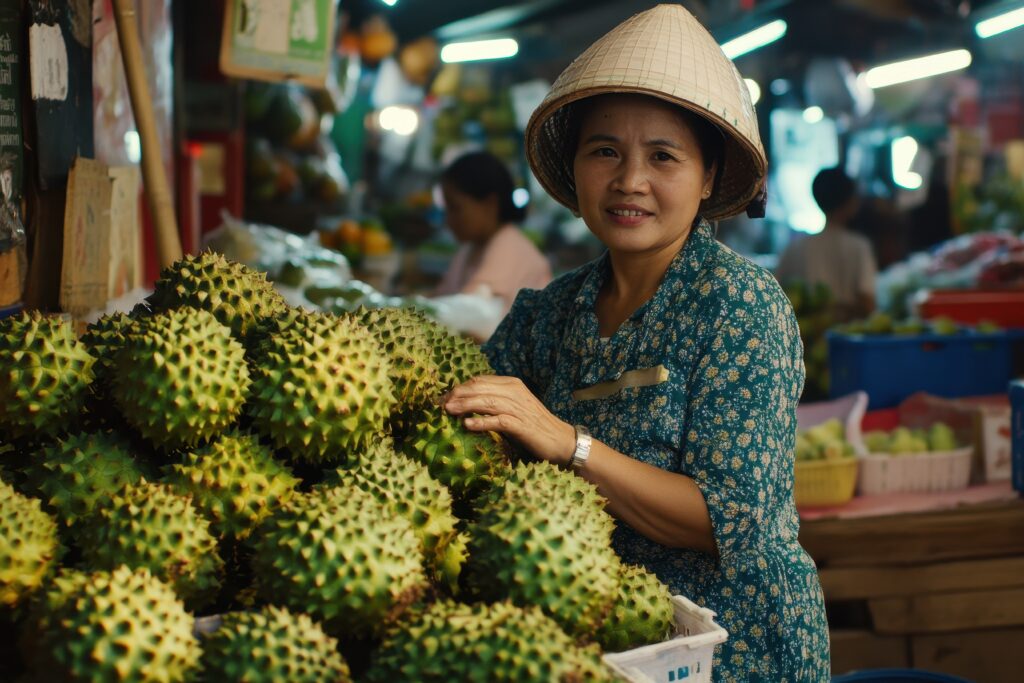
{"x": 680, "y": 358}
{"x": 496, "y": 259}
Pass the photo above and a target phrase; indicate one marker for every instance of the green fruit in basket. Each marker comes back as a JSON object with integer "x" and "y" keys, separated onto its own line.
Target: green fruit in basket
{"x": 413, "y": 372}
{"x": 903, "y": 440}
{"x": 237, "y": 295}
{"x": 941, "y": 437}
{"x": 642, "y": 613}
{"x": 181, "y": 377}
{"x": 123, "y": 625}
{"x": 342, "y": 556}
{"x": 945, "y": 326}
{"x": 235, "y": 481}
{"x": 876, "y": 441}
{"x": 536, "y": 553}
{"x": 79, "y": 473}
{"x": 500, "y": 642}
{"x": 45, "y": 374}
{"x": 878, "y": 323}
{"x": 150, "y": 526}
{"x": 321, "y": 388}
{"x": 466, "y": 462}
{"x": 988, "y": 327}
{"x": 271, "y": 645}
{"x": 909, "y": 327}
{"x": 407, "y": 489}
{"x": 28, "y": 546}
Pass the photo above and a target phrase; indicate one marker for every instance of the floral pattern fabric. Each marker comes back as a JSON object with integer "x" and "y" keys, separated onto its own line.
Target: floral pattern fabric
{"x": 725, "y": 417}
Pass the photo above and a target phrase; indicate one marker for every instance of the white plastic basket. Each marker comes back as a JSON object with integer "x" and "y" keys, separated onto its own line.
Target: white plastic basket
{"x": 915, "y": 472}
{"x": 686, "y": 657}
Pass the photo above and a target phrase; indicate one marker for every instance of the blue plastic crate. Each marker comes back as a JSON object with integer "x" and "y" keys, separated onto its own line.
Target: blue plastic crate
{"x": 890, "y": 368}
{"x": 1017, "y": 434}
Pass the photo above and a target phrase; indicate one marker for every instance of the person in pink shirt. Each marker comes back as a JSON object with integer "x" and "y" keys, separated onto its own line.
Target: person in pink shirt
{"x": 495, "y": 258}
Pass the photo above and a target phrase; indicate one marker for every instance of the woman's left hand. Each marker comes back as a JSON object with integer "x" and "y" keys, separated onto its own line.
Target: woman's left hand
{"x": 505, "y": 405}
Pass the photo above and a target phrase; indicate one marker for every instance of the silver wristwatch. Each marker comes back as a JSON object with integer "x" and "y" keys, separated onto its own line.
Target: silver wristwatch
{"x": 583, "y": 440}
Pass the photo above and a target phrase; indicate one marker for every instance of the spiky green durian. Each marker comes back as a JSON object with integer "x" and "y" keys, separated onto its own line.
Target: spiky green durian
{"x": 341, "y": 556}
{"x": 45, "y": 374}
{"x": 237, "y": 295}
{"x": 400, "y": 334}
{"x": 28, "y": 546}
{"x": 181, "y": 377}
{"x": 545, "y": 483}
{"x": 273, "y": 325}
{"x": 104, "y": 339}
{"x": 407, "y": 488}
{"x": 642, "y": 613}
{"x": 76, "y": 474}
{"x": 533, "y": 552}
{"x": 271, "y": 645}
{"x": 234, "y": 480}
{"x": 467, "y": 462}
{"x": 123, "y": 625}
{"x": 321, "y": 388}
{"x": 150, "y": 525}
{"x": 457, "y": 359}
{"x": 499, "y": 643}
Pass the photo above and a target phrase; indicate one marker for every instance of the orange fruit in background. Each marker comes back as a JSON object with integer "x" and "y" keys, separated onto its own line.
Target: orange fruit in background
{"x": 349, "y": 232}
{"x": 376, "y": 242}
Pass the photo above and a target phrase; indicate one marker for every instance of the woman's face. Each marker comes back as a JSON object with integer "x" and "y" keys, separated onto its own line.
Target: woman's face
{"x": 640, "y": 176}
{"x": 470, "y": 219}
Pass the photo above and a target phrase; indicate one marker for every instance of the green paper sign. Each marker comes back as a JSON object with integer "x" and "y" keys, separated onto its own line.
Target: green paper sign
{"x": 277, "y": 40}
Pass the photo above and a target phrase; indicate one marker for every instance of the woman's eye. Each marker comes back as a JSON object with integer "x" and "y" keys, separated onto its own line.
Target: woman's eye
{"x": 663, "y": 156}
{"x": 605, "y": 152}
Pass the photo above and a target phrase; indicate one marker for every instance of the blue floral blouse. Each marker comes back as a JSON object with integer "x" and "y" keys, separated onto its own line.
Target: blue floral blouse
{"x": 725, "y": 416}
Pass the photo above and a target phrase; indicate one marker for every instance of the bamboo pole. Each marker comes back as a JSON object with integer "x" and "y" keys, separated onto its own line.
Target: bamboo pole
{"x": 158, "y": 193}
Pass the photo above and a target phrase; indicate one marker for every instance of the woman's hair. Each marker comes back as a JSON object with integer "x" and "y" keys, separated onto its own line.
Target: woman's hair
{"x": 709, "y": 138}
{"x": 481, "y": 174}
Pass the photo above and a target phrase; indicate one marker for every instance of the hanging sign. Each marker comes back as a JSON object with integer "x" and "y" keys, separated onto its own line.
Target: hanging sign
{"x": 277, "y": 40}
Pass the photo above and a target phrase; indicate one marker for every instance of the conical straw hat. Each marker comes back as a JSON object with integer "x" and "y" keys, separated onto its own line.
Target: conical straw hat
{"x": 666, "y": 53}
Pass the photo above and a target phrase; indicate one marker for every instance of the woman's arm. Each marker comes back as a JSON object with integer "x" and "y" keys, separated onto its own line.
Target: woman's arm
{"x": 668, "y": 508}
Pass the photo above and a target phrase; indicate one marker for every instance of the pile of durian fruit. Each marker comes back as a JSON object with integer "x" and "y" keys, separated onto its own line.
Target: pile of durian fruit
{"x": 217, "y": 487}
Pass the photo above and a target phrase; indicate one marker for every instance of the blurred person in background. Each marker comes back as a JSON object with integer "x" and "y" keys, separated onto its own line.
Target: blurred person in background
{"x": 495, "y": 258}
{"x": 836, "y": 257}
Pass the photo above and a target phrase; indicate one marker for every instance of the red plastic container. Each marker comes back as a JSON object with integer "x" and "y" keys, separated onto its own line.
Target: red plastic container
{"x": 1005, "y": 307}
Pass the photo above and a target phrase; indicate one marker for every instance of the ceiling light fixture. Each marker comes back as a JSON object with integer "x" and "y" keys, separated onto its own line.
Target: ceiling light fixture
{"x": 920, "y": 67}
{"x": 389, "y": 3}
{"x": 1001, "y": 23}
{"x": 759, "y": 37}
{"x": 475, "y": 50}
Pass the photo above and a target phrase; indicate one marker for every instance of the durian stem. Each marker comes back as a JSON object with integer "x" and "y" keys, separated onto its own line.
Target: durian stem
{"x": 158, "y": 194}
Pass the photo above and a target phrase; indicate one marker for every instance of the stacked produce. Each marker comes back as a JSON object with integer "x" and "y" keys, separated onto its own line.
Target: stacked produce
{"x": 219, "y": 453}
{"x": 826, "y": 441}
{"x": 903, "y": 440}
{"x": 812, "y": 305}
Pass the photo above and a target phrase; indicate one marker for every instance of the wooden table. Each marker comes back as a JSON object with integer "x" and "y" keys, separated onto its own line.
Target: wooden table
{"x": 941, "y": 590}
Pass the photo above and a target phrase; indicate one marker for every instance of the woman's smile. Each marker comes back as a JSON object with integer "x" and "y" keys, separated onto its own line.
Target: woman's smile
{"x": 628, "y": 214}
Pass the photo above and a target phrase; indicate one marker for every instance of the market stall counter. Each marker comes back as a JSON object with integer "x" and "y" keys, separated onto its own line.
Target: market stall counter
{"x": 931, "y": 581}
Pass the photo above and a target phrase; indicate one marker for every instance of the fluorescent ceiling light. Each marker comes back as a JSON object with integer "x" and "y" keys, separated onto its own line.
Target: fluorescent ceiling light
{"x": 754, "y": 88}
{"x": 471, "y": 51}
{"x": 921, "y": 67}
{"x": 759, "y": 37}
{"x": 389, "y": 3}
{"x": 1000, "y": 23}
